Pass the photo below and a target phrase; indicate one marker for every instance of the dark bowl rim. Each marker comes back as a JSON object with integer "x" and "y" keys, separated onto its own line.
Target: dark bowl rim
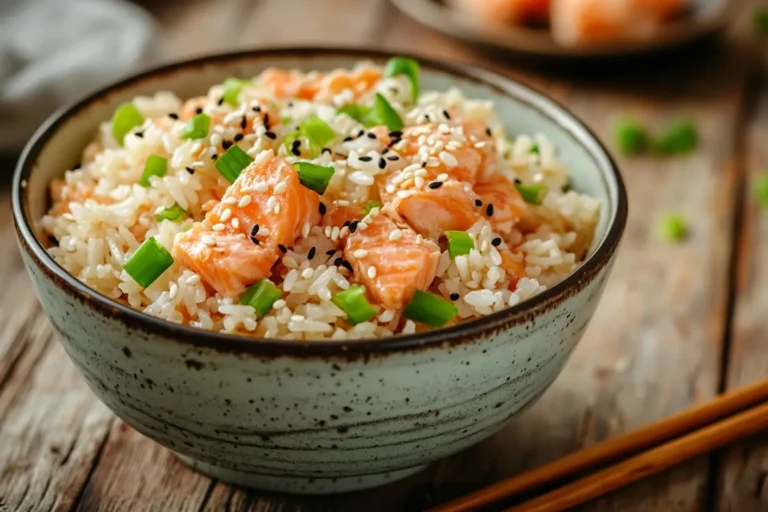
{"x": 224, "y": 342}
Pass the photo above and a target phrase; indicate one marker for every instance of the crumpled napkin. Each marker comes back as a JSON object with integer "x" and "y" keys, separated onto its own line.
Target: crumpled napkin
{"x": 53, "y": 52}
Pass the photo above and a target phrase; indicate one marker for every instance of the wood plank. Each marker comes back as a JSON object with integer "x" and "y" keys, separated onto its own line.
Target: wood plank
{"x": 653, "y": 347}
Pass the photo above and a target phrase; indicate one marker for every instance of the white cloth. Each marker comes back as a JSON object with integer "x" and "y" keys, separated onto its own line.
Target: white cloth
{"x": 53, "y": 52}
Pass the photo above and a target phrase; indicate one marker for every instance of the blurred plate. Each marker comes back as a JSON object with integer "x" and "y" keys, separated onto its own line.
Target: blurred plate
{"x": 703, "y": 18}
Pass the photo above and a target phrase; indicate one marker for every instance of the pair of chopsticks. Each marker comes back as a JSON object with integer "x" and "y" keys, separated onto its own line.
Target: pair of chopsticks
{"x": 635, "y": 455}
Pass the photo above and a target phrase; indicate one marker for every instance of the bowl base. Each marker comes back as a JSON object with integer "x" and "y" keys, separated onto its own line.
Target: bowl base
{"x": 298, "y": 485}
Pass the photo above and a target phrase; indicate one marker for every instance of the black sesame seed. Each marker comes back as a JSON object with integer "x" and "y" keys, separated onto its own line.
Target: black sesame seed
{"x": 214, "y": 156}
{"x": 347, "y": 265}
{"x": 190, "y": 170}
{"x": 226, "y": 144}
{"x": 326, "y": 150}
{"x": 337, "y": 261}
{"x": 478, "y": 202}
{"x": 346, "y": 224}
{"x": 396, "y": 134}
{"x": 322, "y": 209}
{"x": 435, "y": 184}
{"x": 238, "y": 137}
{"x": 296, "y": 151}
{"x": 76, "y": 166}
{"x": 254, "y": 230}
{"x": 393, "y": 158}
{"x": 289, "y": 104}
{"x": 256, "y": 108}
{"x": 371, "y": 135}
{"x": 365, "y": 158}
{"x": 139, "y": 135}
{"x": 347, "y": 139}
{"x": 221, "y": 101}
{"x": 423, "y": 164}
{"x": 255, "y": 240}
{"x": 361, "y": 133}
{"x": 271, "y": 135}
{"x": 455, "y": 296}
{"x": 446, "y": 115}
{"x": 243, "y": 122}
{"x": 295, "y": 144}
{"x": 489, "y": 210}
{"x": 330, "y": 252}
{"x": 518, "y": 181}
{"x": 393, "y": 142}
{"x": 496, "y": 242}
{"x": 173, "y": 115}
{"x": 311, "y": 254}
{"x": 487, "y": 131}
{"x": 282, "y": 248}
{"x": 353, "y": 226}
{"x": 382, "y": 163}
{"x": 199, "y": 110}
{"x": 385, "y": 151}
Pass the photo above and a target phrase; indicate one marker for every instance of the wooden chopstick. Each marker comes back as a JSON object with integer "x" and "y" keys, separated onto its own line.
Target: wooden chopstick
{"x": 613, "y": 450}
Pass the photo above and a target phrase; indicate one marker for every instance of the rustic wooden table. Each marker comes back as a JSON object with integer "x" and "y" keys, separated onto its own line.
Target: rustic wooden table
{"x": 677, "y": 324}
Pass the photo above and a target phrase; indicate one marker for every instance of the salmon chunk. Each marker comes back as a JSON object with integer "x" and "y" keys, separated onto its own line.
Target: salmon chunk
{"x": 320, "y": 86}
{"x": 431, "y": 211}
{"x": 502, "y": 204}
{"x": 401, "y": 262}
{"x": 228, "y": 262}
{"x": 62, "y": 194}
{"x": 337, "y": 215}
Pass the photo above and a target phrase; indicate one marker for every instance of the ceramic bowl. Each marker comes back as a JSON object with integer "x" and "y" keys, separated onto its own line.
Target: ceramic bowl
{"x": 319, "y": 417}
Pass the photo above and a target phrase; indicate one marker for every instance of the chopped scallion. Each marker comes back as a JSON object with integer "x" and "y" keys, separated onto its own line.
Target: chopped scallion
{"x": 534, "y": 149}
{"x": 155, "y": 166}
{"x": 673, "y": 227}
{"x": 148, "y": 262}
{"x": 383, "y": 113}
{"x": 356, "y": 112}
{"x": 230, "y": 90}
{"x": 286, "y": 120}
{"x": 430, "y": 309}
{"x": 261, "y": 296}
{"x": 126, "y": 118}
{"x": 679, "y": 138}
{"x": 314, "y": 177}
{"x": 352, "y": 301}
{"x": 197, "y": 127}
{"x": 370, "y": 205}
{"x": 459, "y": 243}
{"x": 631, "y": 137}
{"x": 316, "y": 131}
{"x": 232, "y": 163}
{"x": 532, "y": 193}
{"x": 173, "y": 213}
{"x": 404, "y": 66}
{"x": 761, "y": 189}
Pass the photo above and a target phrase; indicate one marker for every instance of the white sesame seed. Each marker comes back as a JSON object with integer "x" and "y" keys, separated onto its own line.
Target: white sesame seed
{"x": 407, "y": 183}
{"x": 305, "y": 230}
{"x": 390, "y": 189}
{"x": 271, "y": 202}
{"x": 215, "y": 139}
{"x": 443, "y": 128}
{"x": 342, "y": 202}
{"x": 442, "y": 177}
{"x": 193, "y": 280}
{"x": 360, "y": 253}
{"x": 280, "y": 187}
{"x": 372, "y": 272}
{"x": 453, "y": 145}
{"x": 244, "y": 201}
{"x": 327, "y": 231}
{"x": 208, "y": 240}
{"x": 419, "y": 239}
{"x": 229, "y": 200}
{"x": 344, "y": 231}
{"x": 307, "y": 273}
{"x": 235, "y": 222}
{"x": 433, "y": 162}
{"x": 396, "y": 235}
{"x": 278, "y": 304}
{"x": 419, "y": 182}
{"x": 211, "y": 151}
{"x": 277, "y": 209}
{"x": 412, "y": 168}
{"x": 218, "y": 226}
{"x": 420, "y": 173}
{"x": 173, "y": 292}
{"x": 448, "y": 159}
{"x": 261, "y": 187}
{"x": 480, "y": 145}
{"x": 361, "y": 226}
{"x": 405, "y": 194}
{"x": 484, "y": 246}
{"x": 225, "y": 215}
{"x": 335, "y": 233}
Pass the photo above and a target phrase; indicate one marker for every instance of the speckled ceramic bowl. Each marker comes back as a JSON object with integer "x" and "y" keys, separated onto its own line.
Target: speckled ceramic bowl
{"x": 327, "y": 416}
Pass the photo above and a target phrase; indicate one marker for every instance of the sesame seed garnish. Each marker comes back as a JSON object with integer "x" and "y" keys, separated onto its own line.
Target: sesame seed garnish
{"x": 221, "y": 101}
{"x": 255, "y": 240}
{"x": 396, "y": 235}
{"x": 326, "y": 150}
{"x": 382, "y": 163}
{"x": 405, "y": 194}
{"x": 372, "y": 272}
{"x": 244, "y": 201}
{"x": 496, "y": 242}
{"x": 208, "y": 240}
{"x": 254, "y": 229}
{"x": 385, "y": 151}
{"x": 261, "y": 187}
{"x": 322, "y": 208}
{"x": 448, "y": 159}
{"x": 371, "y": 135}
{"x": 330, "y": 252}
{"x": 256, "y": 108}
{"x": 393, "y": 142}
{"x": 225, "y": 215}
{"x": 435, "y": 184}
{"x": 271, "y": 135}
{"x": 277, "y": 209}
{"x": 335, "y": 233}
{"x": 226, "y": 144}
{"x": 266, "y": 119}
{"x": 446, "y": 115}
{"x": 296, "y": 151}
{"x": 419, "y": 239}
{"x": 190, "y": 170}
{"x": 280, "y": 187}
{"x": 353, "y": 226}
{"x": 348, "y": 139}
{"x": 218, "y": 226}
{"x": 173, "y": 115}
{"x": 327, "y": 231}
{"x": 282, "y": 248}
{"x": 518, "y": 181}
{"x": 139, "y": 135}
{"x": 279, "y": 303}
{"x": 193, "y": 280}
{"x": 214, "y": 156}
{"x": 418, "y": 182}
{"x": 235, "y": 222}
{"x": 365, "y": 158}
{"x": 396, "y": 134}
{"x": 360, "y": 133}
{"x": 487, "y": 131}
{"x": 478, "y": 203}
{"x": 271, "y": 202}
{"x": 307, "y": 273}
{"x": 360, "y": 253}
{"x": 489, "y": 210}
{"x": 393, "y": 158}
{"x": 243, "y": 122}
{"x": 361, "y": 225}
{"x": 424, "y": 163}
{"x": 238, "y": 137}
{"x": 311, "y": 254}
{"x": 305, "y": 229}
{"x": 346, "y": 224}
{"x": 199, "y": 110}
{"x": 337, "y": 261}
{"x": 442, "y": 177}
{"x": 229, "y": 200}
{"x": 455, "y": 296}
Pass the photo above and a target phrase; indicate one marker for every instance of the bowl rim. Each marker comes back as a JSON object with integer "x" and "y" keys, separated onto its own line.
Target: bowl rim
{"x": 224, "y": 342}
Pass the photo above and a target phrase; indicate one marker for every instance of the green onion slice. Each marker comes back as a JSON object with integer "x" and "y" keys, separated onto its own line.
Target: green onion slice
{"x": 430, "y": 309}
{"x": 260, "y": 296}
{"x": 532, "y": 193}
{"x": 197, "y": 127}
{"x": 173, "y": 213}
{"x": 370, "y": 205}
{"x": 356, "y": 112}
{"x": 631, "y": 137}
{"x": 230, "y": 90}
{"x": 673, "y": 227}
{"x": 459, "y": 243}
{"x": 404, "y": 66}
{"x": 126, "y": 118}
{"x": 534, "y": 149}
{"x": 314, "y": 177}
{"x": 679, "y": 138}
{"x": 155, "y": 166}
{"x": 232, "y": 163}
{"x": 761, "y": 189}
{"x": 383, "y": 113}
{"x": 317, "y": 131}
{"x": 148, "y": 262}
{"x": 352, "y": 301}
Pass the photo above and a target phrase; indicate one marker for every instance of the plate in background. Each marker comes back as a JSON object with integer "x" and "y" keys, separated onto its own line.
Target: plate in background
{"x": 703, "y": 18}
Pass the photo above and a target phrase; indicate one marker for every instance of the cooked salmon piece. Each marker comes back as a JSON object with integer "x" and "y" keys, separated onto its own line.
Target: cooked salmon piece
{"x": 507, "y": 11}
{"x": 320, "y": 86}
{"x": 62, "y": 194}
{"x": 402, "y": 262}
{"x": 514, "y": 265}
{"x": 502, "y": 204}
{"x": 337, "y": 215}
{"x": 431, "y": 211}
{"x": 229, "y": 266}
{"x": 267, "y": 194}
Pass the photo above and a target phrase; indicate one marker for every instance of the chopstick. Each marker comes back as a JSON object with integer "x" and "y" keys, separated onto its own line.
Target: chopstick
{"x": 646, "y": 438}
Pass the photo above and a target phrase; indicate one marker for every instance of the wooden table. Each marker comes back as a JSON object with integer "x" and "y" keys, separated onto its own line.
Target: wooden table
{"x": 677, "y": 324}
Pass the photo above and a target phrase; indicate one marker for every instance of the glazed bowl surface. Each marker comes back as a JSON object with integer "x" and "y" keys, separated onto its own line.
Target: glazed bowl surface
{"x": 316, "y": 417}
